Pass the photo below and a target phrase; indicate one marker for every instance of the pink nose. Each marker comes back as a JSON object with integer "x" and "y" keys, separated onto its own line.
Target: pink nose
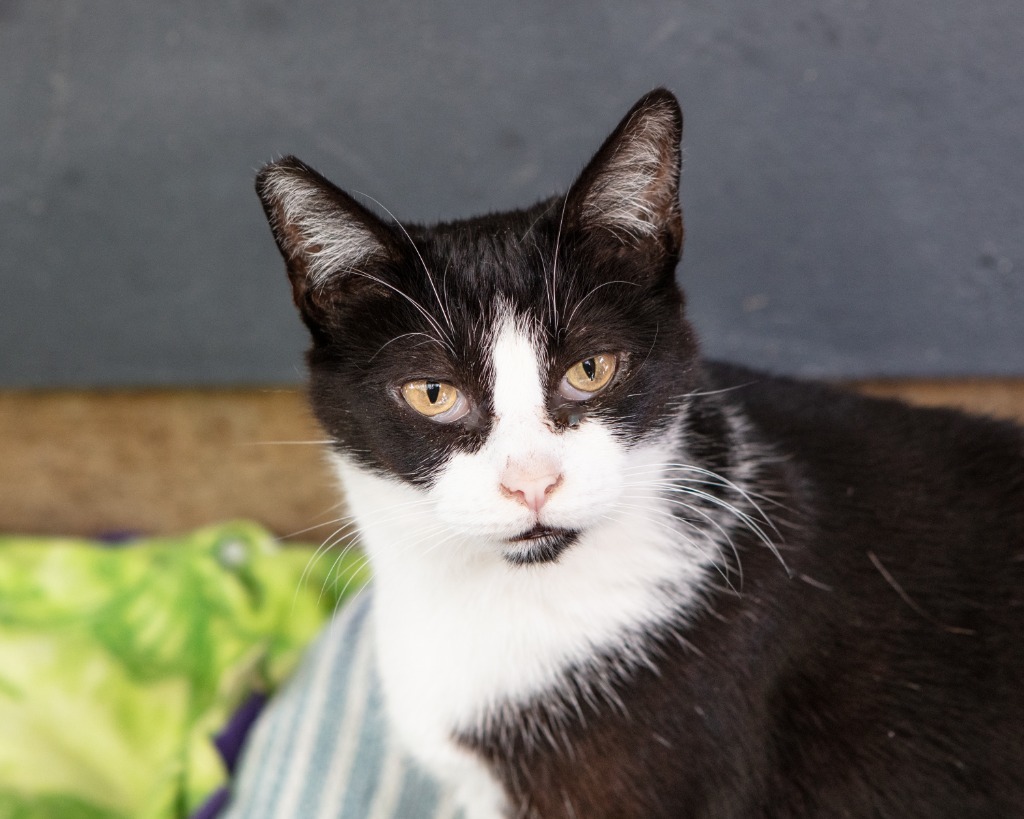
{"x": 530, "y": 487}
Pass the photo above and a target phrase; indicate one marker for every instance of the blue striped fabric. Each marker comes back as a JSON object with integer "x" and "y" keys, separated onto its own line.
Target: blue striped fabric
{"x": 321, "y": 749}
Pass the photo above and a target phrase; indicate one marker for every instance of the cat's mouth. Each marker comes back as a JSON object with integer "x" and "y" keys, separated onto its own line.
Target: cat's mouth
{"x": 541, "y": 544}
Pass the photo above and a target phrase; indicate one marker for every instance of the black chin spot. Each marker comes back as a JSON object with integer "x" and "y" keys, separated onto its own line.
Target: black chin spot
{"x": 539, "y": 545}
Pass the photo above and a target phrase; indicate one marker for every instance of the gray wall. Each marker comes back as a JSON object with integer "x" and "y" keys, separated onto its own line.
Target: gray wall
{"x": 853, "y": 188}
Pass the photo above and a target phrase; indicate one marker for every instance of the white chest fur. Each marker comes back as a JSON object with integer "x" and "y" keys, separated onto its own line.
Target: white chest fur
{"x": 460, "y": 631}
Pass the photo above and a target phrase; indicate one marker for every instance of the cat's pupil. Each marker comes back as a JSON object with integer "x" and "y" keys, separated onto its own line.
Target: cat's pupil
{"x": 433, "y": 390}
{"x": 590, "y": 368}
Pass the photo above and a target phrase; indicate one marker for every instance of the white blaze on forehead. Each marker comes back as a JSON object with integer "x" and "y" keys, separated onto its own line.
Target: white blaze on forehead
{"x": 518, "y": 390}
{"x": 470, "y": 493}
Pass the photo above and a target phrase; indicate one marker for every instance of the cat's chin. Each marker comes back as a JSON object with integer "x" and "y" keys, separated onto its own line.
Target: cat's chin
{"x": 541, "y": 544}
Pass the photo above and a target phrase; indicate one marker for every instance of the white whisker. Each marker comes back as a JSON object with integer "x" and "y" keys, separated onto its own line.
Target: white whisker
{"x": 325, "y": 442}
{"x": 568, "y": 321}
{"x": 554, "y": 270}
{"x": 427, "y": 336}
{"x": 419, "y": 255}
{"x": 419, "y": 307}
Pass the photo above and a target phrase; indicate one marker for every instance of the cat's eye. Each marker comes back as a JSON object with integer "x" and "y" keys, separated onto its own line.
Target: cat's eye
{"x": 588, "y": 377}
{"x": 436, "y": 400}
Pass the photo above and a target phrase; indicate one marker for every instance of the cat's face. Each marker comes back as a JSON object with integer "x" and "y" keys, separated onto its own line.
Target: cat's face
{"x": 504, "y": 367}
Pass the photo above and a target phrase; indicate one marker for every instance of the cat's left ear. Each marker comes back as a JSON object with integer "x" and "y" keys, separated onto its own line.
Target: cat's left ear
{"x": 629, "y": 192}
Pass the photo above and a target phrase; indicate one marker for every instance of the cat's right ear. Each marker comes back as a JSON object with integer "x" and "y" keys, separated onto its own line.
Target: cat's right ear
{"x": 329, "y": 241}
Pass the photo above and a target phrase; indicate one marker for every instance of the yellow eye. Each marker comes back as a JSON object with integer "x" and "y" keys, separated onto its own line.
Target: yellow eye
{"x": 589, "y": 376}
{"x": 433, "y": 399}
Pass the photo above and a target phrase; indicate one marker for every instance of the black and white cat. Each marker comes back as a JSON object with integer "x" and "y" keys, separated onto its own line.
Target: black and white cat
{"x": 615, "y": 580}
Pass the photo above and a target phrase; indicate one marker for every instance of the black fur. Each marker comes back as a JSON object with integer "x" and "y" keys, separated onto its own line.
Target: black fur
{"x": 544, "y": 546}
{"x": 874, "y": 671}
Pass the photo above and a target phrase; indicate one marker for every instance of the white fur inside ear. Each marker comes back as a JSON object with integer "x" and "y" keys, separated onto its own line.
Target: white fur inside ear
{"x": 637, "y": 189}
{"x": 316, "y": 231}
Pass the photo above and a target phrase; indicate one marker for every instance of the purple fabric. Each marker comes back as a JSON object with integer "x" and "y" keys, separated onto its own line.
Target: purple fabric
{"x": 214, "y": 805}
{"x": 229, "y": 744}
{"x": 230, "y": 740}
{"x": 118, "y": 537}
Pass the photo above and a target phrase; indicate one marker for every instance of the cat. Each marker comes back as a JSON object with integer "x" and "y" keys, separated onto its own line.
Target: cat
{"x": 614, "y": 579}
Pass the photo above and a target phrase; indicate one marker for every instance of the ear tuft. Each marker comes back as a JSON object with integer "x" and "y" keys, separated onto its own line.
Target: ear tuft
{"x": 321, "y": 231}
{"x": 630, "y": 189}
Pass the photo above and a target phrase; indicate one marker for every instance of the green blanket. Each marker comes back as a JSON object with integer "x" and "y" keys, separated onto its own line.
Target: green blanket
{"x": 119, "y": 664}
